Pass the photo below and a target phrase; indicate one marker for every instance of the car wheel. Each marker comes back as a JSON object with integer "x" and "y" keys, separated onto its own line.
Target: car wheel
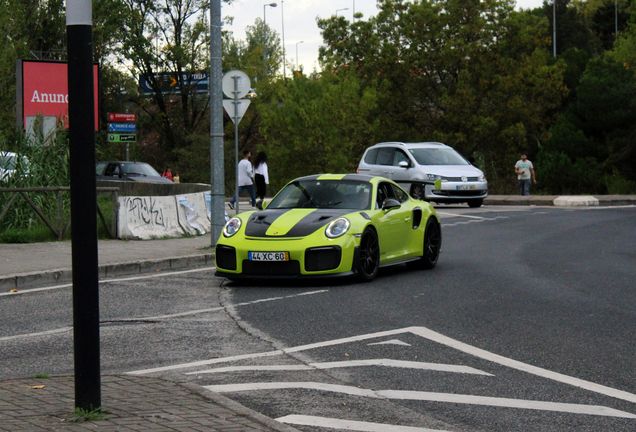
{"x": 417, "y": 191}
{"x": 431, "y": 248}
{"x": 475, "y": 203}
{"x": 368, "y": 261}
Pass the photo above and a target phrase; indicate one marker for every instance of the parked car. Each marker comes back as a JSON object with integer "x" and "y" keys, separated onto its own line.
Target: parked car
{"x": 128, "y": 171}
{"x": 429, "y": 171}
{"x": 10, "y": 163}
{"x": 330, "y": 225}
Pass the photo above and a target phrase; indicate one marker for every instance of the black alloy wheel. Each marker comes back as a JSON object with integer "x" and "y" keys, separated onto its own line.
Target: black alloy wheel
{"x": 432, "y": 243}
{"x": 368, "y": 256}
{"x": 417, "y": 191}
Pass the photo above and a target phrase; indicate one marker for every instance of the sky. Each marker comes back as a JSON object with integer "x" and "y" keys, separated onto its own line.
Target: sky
{"x": 299, "y": 16}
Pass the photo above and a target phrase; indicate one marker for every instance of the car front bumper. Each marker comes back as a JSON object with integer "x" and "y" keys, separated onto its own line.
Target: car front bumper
{"x": 315, "y": 256}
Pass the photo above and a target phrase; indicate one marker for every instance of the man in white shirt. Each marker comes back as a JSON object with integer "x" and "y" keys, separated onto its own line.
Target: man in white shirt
{"x": 245, "y": 176}
{"x": 525, "y": 171}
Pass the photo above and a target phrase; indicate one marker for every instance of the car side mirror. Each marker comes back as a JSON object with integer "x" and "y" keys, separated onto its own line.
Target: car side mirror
{"x": 261, "y": 205}
{"x": 471, "y": 160}
{"x": 404, "y": 164}
{"x": 391, "y": 204}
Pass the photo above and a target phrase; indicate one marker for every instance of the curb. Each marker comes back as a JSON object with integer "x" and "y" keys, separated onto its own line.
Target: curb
{"x": 65, "y": 275}
{"x": 562, "y": 200}
{"x": 219, "y": 399}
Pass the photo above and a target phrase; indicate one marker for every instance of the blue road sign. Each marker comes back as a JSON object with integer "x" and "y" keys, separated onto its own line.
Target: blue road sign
{"x": 122, "y": 127}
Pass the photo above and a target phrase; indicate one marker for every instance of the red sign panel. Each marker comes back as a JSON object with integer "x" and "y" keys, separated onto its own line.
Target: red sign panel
{"x": 45, "y": 90}
{"x": 122, "y": 117}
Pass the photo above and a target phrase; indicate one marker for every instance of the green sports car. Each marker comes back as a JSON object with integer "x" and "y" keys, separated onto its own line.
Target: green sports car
{"x": 330, "y": 225}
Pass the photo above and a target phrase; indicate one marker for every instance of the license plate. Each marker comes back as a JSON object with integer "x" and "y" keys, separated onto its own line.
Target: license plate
{"x": 466, "y": 187}
{"x": 268, "y": 256}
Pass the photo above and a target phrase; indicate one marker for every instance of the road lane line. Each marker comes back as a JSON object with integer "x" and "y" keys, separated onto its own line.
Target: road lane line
{"x": 352, "y": 425}
{"x": 132, "y": 278}
{"x": 160, "y": 317}
{"x": 596, "y": 410}
{"x": 514, "y": 364}
{"x": 268, "y": 353}
{"x": 460, "y": 215}
{"x": 352, "y": 363}
{"x": 44, "y": 333}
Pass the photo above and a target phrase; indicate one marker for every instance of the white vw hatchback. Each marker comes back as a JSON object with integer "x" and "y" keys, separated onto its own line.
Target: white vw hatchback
{"x": 417, "y": 167}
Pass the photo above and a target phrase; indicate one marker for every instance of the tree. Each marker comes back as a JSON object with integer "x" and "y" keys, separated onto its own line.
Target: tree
{"x": 321, "y": 126}
{"x": 473, "y": 74}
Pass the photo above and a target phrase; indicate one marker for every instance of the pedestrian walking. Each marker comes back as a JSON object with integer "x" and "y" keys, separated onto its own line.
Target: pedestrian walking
{"x": 525, "y": 172}
{"x": 245, "y": 176}
{"x": 261, "y": 177}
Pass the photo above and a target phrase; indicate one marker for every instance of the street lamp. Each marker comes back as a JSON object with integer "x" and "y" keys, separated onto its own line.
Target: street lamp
{"x": 354, "y": 10}
{"x": 340, "y": 10}
{"x": 282, "y": 18}
{"x": 297, "y": 68}
{"x": 265, "y": 32}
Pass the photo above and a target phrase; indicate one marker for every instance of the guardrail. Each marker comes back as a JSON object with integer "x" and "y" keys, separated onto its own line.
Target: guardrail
{"x": 60, "y": 230}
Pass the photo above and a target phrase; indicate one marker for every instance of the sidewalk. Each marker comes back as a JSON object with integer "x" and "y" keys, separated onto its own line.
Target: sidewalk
{"x": 130, "y": 403}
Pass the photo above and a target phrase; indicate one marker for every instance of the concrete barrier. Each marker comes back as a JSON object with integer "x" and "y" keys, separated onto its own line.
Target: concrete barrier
{"x": 148, "y": 217}
{"x": 576, "y": 201}
{"x": 191, "y": 212}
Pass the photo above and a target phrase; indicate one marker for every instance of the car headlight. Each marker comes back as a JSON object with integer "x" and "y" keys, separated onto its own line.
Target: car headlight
{"x": 435, "y": 177}
{"x": 232, "y": 227}
{"x": 337, "y": 228}
{"x": 482, "y": 178}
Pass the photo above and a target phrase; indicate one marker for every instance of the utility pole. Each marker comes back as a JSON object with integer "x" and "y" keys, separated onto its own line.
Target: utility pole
{"x": 217, "y": 179}
{"x": 81, "y": 111}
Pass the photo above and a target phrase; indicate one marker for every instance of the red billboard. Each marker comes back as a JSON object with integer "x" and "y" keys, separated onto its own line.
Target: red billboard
{"x": 43, "y": 89}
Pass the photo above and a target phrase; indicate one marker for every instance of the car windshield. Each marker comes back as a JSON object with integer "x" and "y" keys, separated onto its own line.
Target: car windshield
{"x": 438, "y": 156}
{"x": 333, "y": 194}
{"x": 139, "y": 169}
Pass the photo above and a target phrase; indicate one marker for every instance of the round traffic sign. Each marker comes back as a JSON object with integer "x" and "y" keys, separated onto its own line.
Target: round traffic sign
{"x": 236, "y": 83}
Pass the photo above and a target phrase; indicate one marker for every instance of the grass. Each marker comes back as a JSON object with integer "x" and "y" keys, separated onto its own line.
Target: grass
{"x": 82, "y": 414}
{"x": 43, "y": 376}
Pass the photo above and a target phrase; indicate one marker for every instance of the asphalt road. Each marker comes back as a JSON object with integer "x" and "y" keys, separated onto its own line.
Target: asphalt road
{"x": 526, "y": 324}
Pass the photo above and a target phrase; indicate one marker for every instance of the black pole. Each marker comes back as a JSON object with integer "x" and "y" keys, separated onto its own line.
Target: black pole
{"x": 81, "y": 112}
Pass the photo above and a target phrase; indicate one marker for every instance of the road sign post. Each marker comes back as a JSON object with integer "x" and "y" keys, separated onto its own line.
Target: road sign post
{"x": 236, "y": 84}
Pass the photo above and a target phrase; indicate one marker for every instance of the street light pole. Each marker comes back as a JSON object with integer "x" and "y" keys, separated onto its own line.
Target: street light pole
{"x": 282, "y": 16}
{"x": 338, "y": 10}
{"x": 554, "y": 27}
{"x": 297, "y": 67}
{"x": 354, "y": 10}
{"x": 265, "y": 34}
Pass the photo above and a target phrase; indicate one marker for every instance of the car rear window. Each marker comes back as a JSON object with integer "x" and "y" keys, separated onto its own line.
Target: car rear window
{"x": 370, "y": 156}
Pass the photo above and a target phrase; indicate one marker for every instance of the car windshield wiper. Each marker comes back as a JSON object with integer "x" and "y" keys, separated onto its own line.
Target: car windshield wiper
{"x": 136, "y": 174}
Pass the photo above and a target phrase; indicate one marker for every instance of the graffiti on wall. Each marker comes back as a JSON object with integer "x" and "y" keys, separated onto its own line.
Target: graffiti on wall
{"x": 145, "y": 210}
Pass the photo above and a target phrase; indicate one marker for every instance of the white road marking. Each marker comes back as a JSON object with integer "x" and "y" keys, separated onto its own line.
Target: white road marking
{"x": 350, "y": 424}
{"x": 44, "y": 333}
{"x": 460, "y": 215}
{"x": 161, "y": 317}
{"x": 351, "y": 363}
{"x": 427, "y": 334}
{"x": 132, "y": 278}
{"x": 430, "y": 397}
{"x": 391, "y": 342}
